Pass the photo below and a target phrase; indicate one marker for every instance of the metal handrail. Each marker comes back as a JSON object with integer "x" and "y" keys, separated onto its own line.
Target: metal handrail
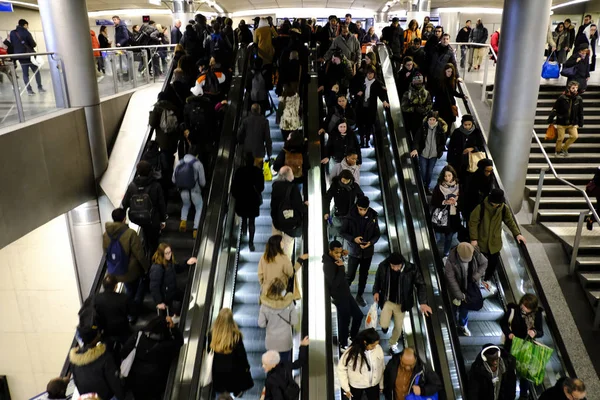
{"x": 19, "y": 55}
{"x": 485, "y": 65}
{"x": 127, "y": 48}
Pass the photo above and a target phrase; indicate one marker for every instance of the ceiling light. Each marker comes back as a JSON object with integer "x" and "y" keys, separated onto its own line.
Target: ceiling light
{"x": 568, "y": 3}
{"x": 471, "y": 10}
{"x": 22, "y": 3}
{"x": 304, "y": 12}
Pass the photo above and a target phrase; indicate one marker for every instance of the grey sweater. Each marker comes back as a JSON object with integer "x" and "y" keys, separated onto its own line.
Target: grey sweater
{"x": 278, "y": 316}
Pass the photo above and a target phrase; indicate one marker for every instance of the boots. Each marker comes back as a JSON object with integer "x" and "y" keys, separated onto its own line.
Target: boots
{"x": 182, "y": 226}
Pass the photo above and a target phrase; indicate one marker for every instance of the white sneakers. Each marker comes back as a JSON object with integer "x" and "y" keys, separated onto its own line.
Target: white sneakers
{"x": 464, "y": 331}
{"x": 394, "y": 348}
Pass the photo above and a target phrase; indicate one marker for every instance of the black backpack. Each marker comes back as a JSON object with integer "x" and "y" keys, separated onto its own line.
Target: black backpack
{"x": 291, "y": 390}
{"x": 211, "y": 83}
{"x": 140, "y": 206}
{"x": 153, "y": 156}
{"x": 196, "y": 115}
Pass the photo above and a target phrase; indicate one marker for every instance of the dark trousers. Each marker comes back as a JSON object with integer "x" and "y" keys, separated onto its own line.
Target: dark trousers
{"x": 493, "y": 261}
{"x": 249, "y": 223}
{"x": 346, "y": 309}
{"x": 38, "y": 77}
{"x": 151, "y": 238}
{"x": 285, "y": 356}
{"x": 363, "y": 273}
{"x": 371, "y": 393}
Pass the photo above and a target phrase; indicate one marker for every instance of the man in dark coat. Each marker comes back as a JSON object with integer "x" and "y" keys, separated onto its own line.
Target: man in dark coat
{"x": 279, "y": 373}
{"x": 344, "y": 191}
{"x": 463, "y": 37}
{"x": 255, "y": 135}
{"x": 565, "y": 389}
{"x": 367, "y": 90}
{"x": 361, "y": 229}
{"x": 393, "y": 36}
{"x": 395, "y": 282}
{"x": 121, "y": 33}
{"x": 580, "y": 60}
{"x": 492, "y": 375}
{"x": 176, "y": 34}
{"x": 23, "y": 43}
{"x": 242, "y": 34}
{"x": 568, "y": 110}
{"x": 442, "y": 55}
{"x": 409, "y": 365}
{"x": 417, "y": 53}
{"x": 329, "y": 32}
{"x": 113, "y": 310}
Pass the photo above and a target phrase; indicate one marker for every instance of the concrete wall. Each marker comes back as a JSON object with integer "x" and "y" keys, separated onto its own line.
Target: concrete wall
{"x": 113, "y": 111}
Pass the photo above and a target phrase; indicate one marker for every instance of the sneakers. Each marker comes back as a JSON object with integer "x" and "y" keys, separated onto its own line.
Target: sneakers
{"x": 464, "y": 331}
{"x": 30, "y": 93}
{"x": 564, "y": 153}
{"x": 361, "y": 302}
{"x": 487, "y": 285}
{"x": 182, "y": 226}
{"x": 394, "y": 349}
{"x": 42, "y": 90}
{"x": 195, "y": 233}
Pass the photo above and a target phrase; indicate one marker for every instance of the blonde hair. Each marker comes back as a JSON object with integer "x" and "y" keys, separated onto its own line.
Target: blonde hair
{"x": 159, "y": 255}
{"x": 276, "y": 288}
{"x": 225, "y": 333}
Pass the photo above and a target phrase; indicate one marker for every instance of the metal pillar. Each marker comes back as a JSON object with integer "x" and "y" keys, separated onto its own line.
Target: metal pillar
{"x": 184, "y": 11}
{"x": 418, "y": 9}
{"x": 516, "y": 90}
{"x": 75, "y": 51}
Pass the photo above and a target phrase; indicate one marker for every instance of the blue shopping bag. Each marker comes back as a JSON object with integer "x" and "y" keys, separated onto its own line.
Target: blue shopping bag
{"x": 412, "y": 396}
{"x": 550, "y": 69}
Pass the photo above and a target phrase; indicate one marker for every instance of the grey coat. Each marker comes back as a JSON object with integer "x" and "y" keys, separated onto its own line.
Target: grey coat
{"x": 254, "y": 133}
{"x": 278, "y": 316}
{"x": 457, "y": 279}
{"x": 350, "y": 48}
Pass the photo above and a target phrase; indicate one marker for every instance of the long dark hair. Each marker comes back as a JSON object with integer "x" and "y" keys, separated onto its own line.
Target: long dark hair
{"x": 452, "y": 80}
{"x": 273, "y": 248}
{"x": 359, "y": 346}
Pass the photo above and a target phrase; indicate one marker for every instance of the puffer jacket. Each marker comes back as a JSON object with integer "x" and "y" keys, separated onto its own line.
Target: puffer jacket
{"x": 416, "y": 100}
{"x": 362, "y": 377}
{"x": 163, "y": 282}
{"x": 568, "y": 110}
{"x": 479, "y": 34}
{"x": 488, "y": 230}
{"x": 351, "y": 229}
{"x": 455, "y": 274}
{"x": 278, "y": 316}
{"x": 132, "y": 245}
{"x": 95, "y": 43}
{"x": 94, "y": 371}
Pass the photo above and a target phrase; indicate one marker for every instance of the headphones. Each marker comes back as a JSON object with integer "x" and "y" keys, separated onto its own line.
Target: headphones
{"x": 488, "y": 348}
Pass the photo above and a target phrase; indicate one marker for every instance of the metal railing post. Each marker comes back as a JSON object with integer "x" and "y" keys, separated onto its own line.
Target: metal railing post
{"x": 15, "y": 83}
{"x": 577, "y": 242}
{"x": 145, "y": 69}
{"x": 538, "y": 196}
{"x": 113, "y": 65}
{"x": 131, "y": 67}
{"x": 485, "y": 78}
{"x": 597, "y": 317}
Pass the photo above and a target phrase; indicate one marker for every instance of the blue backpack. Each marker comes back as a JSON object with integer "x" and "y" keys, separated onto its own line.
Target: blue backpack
{"x": 117, "y": 259}
{"x": 185, "y": 175}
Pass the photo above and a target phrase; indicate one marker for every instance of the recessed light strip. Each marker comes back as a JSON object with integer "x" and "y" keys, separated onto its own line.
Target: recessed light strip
{"x": 568, "y": 3}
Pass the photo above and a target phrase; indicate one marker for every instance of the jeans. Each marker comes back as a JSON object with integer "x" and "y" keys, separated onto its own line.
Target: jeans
{"x": 100, "y": 62}
{"x": 38, "y": 77}
{"x": 427, "y": 165}
{"x": 285, "y": 356}
{"x": 462, "y": 313}
{"x": 363, "y": 274}
{"x": 348, "y": 308}
{"x": 447, "y": 237}
{"x": 196, "y": 198}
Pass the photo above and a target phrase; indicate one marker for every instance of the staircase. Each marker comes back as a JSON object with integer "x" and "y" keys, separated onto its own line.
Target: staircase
{"x": 560, "y": 205}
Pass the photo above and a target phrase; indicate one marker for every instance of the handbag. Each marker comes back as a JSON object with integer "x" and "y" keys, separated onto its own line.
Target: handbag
{"x": 551, "y": 132}
{"x": 267, "y": 172}
{"x": 206, "y": 377}
{"x": 532, "y": 358}
{"x": 439, "y": 217}
{"x": 474, "y": 158}
{"x": 568, "y": 72}
{"x": 127, "y": 362}
{"x": 550, "y": 69}
{"x": 412, "y": 396}
{"x": 473, "y": 297}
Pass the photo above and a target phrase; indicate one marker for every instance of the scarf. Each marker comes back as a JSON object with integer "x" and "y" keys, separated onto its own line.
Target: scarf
{"x": 368, "y": 84}
{"x": 467, "y": 132}
{"x": 448, "y": 189}
{"x": 529, "y": 320}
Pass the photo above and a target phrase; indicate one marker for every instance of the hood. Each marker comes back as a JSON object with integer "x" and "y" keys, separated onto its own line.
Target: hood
{"x": 274, "y": 306}
{"x": 143, "y": 180}
{"x": 114, "y": 227}
{"x": 189, "y": 158}
{"x": 350, "y": 167}
{"x": 263, "y": 23}
{"x": 80, "y": 359}
{"x": 92, "y": 33}
{"x": 490, "y": 208}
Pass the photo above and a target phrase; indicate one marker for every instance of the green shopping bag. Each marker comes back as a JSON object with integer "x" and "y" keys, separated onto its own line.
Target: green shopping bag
{"x": 532, "y": 358}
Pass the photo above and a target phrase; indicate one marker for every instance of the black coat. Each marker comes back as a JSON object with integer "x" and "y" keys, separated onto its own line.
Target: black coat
{"x": 104, "y": 41}
{"x": 278, "y": 378}
{"x": 421, "y": 139}
{"x": 231, "y": 372}
{"x": 518, "y": 326}
{"x": 438, "y": 58}
{"x": 418, "y": 56}
{"x": 149, "y": 373}
{"x": 94, "y": 371}
{"x": 568, "y": 110}
{"x": 582, "y": 68}
{"x": 480, "y": 380}
{"x": 429, "y": 381}
{"x": 335, "y": 279}
{"x": 113, "y": 309}
{"x": 337, "y": 146}
{"x": 463, "y": 36}
{"x": 367, "y": 111}
{"x": 336, "y": 114}
{"x": 556, "y": 392}
{"x": 404, "y": 79}
{"x": 444, "y": 97}
{"x": 458, "y": 143}
{"x": 344, "y": 199}
{"x": 351, "y": 229}
{"x": 394, "y": 36}
{"x": 292, "y": 226}
{"x": 176, "y": 35}
{"x": 159, "y": 208}
{"x": 410, "y": 277}
{"x": 22, "y": 42}
{"x": 247, "y": 187}
{"x": 163, "y": 282}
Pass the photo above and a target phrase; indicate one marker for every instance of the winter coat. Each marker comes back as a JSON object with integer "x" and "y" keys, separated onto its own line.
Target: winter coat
{"x": 290, "y": 110}
{"x": 263, "y": 37}
{"x": 394, "y": 36}
{"x": 338, "y": 146}
{"x": 254, "y": 133}
{"x": 113, "y": 309}
{"x": 518, "y": 326}
{"x": 154, "y": 190}
{"x": 463, "y": 35}
{"x": 440, "y": 138}
{"x": 479, "y": 34}
{"x": 416, "y": 101}
{"x": 480, "y": 380}
{"x": 366, "y": 112}
{"x": 278, "y": 378}
{"x": 370, "y": 38}
{"x": 335, "y": 279}
{"x": 440, "y": 56}
{"x": 247, "y": 187}
{"x": 351, "y": 229}
{"x": 121, "y": 35}
{"x": 291, "y": 226}
{"x": 280, "y": 161}
{"x": 199, "y": 176}
{"x": 455, "y": 274}
{"x": 571, "y": 34}
{"x": 418, "y": 55}
{"x": 243, "y": 35}
{"x": 339, "y": 167}
{"x": 410, "y": 277}
{"x": 22, "y": 42}
{"x": 163, "y": 282}
{"x": 568, "y": 110}
{"x": 192, "y": 43}
{"x": 409, "y": 36}
{"x": 458, "y": 143}
{"x": 349, "y": 46}
{"x": 94, "y": 371}
{"x": 488, "y": 230}
{"x": 337, "y": 73}
{"x": 95, "y": 43}
{"x": 429, "y": 381}
{"x": 132, "y": 245}
{"x": 556, "y": 392}
{"x": 437, "y": 201}
{"x": 281, "y": 267}
{"x": 149, "y": 373}
{"x": 362, "y": 377}
{"x": 403, "y": 80}
{"x": 445, "y": 95}
{"x": 278, "y": 316}
{"x": 582, "y": 68}
{"x": 344, "y": 198}
{"x": 176, "y": 35}
{"x": 478, "y": 189}
{"x": 104, "y": 41}
{"x": 495, "y": 41}
{"x": 336, "y": 114}
{"x": 327, "y": 35}
{"x": 231, "y": 372}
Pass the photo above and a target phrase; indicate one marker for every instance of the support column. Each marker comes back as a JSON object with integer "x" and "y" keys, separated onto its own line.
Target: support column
{"x": 516, "y": 90}
{"x": 418, "y": 9}
{"x": 184, "y": 11}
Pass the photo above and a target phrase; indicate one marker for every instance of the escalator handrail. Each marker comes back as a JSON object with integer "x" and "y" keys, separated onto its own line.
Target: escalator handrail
{"x": 523, "y": 251}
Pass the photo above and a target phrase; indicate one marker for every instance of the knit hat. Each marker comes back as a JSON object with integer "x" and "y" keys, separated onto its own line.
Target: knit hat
{"x": 582, "y": 46}
{"x": 465, "y": 251}
{"x": 396, "y": 259}
{"x": 363, "y": 202}
{"x": 466, "y": 117}
{"x": 417, "y": 78}
{"x": 496, "y": 196}
{"x": 484, "y": 163}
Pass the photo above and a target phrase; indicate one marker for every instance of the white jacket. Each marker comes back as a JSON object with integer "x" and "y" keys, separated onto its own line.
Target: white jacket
{"x": 362, "y": 378}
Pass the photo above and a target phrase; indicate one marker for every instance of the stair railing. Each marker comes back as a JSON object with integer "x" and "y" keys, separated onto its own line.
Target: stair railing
{"x": 486, "y": 65}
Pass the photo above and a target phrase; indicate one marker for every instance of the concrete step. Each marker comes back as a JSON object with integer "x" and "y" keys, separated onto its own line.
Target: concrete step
{"x": 575, "y": 149}
{"x": 593, "y": 297}
{"x": 557, "y": 190}
{"x": 588, "y": 263}
{"x": 545, "y": 108}
{"x": 589, "y": 280}
{"x": 587, "y": 128}
{"x": 534, "y": 167}
{"x": 561, "y": 203}
{"x": 583, "y": 158}
{"x": 576, "y": 179}
{"x": 563, "y": 215}
{"x": 583, "y": 138}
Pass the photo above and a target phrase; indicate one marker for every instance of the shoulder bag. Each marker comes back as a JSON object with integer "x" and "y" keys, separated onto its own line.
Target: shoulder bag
{"x": 127, "y": 363}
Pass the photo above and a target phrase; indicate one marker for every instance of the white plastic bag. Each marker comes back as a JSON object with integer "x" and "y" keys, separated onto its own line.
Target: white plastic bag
{"x": 371, "y": 321}
{"x": 128, "y": 361}
{"x": 206, "y": 377}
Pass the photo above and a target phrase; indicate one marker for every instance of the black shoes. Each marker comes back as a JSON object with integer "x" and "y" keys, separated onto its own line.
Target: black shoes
{"x": 589, "y": 223}
{"x": 361, "y": 302}
{"x": 251, "y": 246}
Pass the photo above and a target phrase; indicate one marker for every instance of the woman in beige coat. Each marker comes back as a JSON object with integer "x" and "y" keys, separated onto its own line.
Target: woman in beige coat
{"x": 275, "y": 264}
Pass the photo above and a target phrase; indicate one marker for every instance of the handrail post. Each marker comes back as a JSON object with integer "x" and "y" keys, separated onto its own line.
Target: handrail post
{"x": 15, "y": 84}
{"x": 577, "y": 242}
{"x": 146, "y": 69}
{"x": 113, "y": 65}
{"x": 538, "y": 196}
{"x": 485, "y": 78}
{"x": 597, "y": 317}
{"x": 130, "y": 66}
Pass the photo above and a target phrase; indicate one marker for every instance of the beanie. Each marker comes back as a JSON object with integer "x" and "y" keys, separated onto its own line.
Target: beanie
{"x": 396, "y": 259}
{"x": 465, "y": 251}
{"x": 496, "y": 196}
{"x": 418, "y": 78}
{"x": 484, "y": 163}
{"x": 363, "y": 202}
{"x": 467, "y": 117}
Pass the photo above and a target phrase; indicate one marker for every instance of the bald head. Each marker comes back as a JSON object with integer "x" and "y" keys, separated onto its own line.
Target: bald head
{"x": 286, "y": 173}
{"x": 255, "y": 109}
{"x": 408, "y": 359}
{"x": 178, "y": 23}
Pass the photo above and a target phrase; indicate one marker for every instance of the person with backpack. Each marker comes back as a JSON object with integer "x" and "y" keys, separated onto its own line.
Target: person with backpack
{"x": 219, "y": 47}
{"x": 287, "y": 209}
{"x": 125, "y": 256}
{"x": 145, "y": 201}
{"x": 209, "y": 82}
{"x": 189, "y": 179}
{"x": 163, "y": 279}
{"x": 280, "y": 384}
{"x": 165, "y": 118}
{"x": 294, "y": 155}
{"x": 344, "y": 191}
{"x": 257, "y": 85}
{"x": 160, "y": 167}
{"x": 23, "y": 42}
{"x": 255, "y": 135}
{"x": 113, "y": 310}
{"x": 485, "y": 229}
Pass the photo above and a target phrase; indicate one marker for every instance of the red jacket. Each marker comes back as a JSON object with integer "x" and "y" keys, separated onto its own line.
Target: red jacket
{"x": 95, "y": 43}
{"x": 495, "y": 41}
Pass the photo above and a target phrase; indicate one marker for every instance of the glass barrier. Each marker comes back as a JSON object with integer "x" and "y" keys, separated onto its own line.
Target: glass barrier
{"x": 476, "y": 65}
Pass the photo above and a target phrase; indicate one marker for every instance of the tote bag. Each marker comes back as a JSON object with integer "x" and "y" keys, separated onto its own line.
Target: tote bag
{"x": 550, "y": 69}
{"x": 206, "y": 378}
{"x": 128, "y": 361}
{"x": 412, "y": 396}
{"x": 474, "y": 158}
{"x": 551, "y": 132}
{"x": 532, "y": 358}
{"x": 439, "y": 217}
